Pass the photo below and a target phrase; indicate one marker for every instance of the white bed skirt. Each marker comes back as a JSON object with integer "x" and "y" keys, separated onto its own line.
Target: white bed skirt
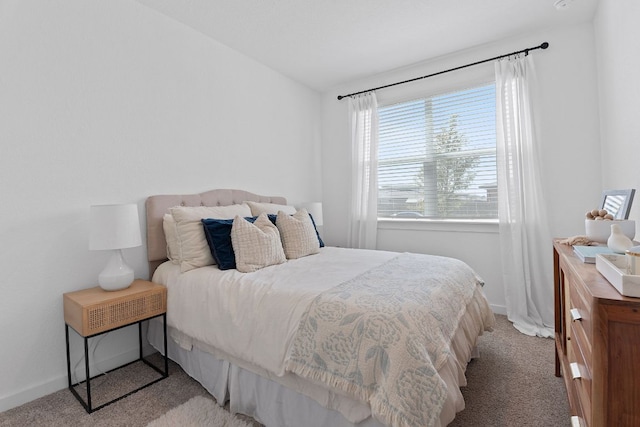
{"x": 265, "y": 400}
{"x": 274, "y": 404}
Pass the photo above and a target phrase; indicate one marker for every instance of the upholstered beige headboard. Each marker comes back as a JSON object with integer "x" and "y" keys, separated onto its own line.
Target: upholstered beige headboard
{"x": 157, "y": 206}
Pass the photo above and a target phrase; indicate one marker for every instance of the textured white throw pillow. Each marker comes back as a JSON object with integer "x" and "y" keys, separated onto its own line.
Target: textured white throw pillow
{"x": 256, "y": 245}
{"x": 298, "y": 234}
{"x": 192, "y": 246}
{"x": 269, "y": 208}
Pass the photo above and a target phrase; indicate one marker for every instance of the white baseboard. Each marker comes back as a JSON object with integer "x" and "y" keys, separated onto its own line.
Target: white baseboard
{"x": 499, "y": 309}
{"x": 61, "y": 382}
{"x": 32, "y": 393}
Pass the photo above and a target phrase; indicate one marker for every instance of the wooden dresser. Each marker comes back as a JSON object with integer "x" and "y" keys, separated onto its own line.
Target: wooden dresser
{"x": 597, "y": 344}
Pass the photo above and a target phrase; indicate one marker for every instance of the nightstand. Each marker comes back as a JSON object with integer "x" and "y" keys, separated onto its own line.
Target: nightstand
{"x": 94, "y": 311}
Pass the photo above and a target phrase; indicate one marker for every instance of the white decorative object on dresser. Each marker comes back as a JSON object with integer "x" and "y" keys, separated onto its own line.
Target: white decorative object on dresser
{"x": 599, "y": 231}
{"x": 617, "y": 241}
{"x": 597, "y": 332}
{"x": 614, "y": 268}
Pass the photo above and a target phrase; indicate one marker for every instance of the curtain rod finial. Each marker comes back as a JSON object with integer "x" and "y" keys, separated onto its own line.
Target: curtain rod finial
{"x": 544, "y": 45}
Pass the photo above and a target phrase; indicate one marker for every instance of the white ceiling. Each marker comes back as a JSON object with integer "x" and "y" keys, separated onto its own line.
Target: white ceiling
{"x": 323, "y": 43}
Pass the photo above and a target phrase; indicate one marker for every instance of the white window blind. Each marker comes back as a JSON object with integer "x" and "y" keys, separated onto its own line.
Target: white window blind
{"x": 437, "y": 156}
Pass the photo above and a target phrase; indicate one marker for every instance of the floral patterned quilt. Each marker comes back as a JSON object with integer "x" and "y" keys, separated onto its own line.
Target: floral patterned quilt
{"x": 383, "y": 335}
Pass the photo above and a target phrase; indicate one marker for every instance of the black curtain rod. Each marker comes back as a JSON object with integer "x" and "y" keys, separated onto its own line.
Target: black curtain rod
{"x": 525, "y": 51}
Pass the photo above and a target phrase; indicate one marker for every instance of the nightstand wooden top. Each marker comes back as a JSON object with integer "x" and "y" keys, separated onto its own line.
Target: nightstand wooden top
{"x": 94, "y": 310}
{"x": 97, "y": 295}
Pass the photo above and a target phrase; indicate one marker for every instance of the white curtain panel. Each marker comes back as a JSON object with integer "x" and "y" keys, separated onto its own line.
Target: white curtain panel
{"x": 363, "y": 212}
{"x": 525, "y": 240}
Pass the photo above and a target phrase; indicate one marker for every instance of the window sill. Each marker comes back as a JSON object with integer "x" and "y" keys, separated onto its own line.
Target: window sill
{"x": 459, "y": 226}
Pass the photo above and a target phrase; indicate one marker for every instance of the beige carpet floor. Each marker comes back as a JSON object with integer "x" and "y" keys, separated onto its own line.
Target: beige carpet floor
{"x": 511, "y": 384}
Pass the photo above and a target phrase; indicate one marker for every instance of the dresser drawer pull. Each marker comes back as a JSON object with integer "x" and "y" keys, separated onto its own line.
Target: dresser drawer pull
{"x": 575, "y": 370}
{"x": 575, "y": 421}
{"x": 575, "y": 314}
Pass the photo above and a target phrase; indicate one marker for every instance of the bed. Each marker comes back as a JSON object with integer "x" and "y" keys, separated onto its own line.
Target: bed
{"x": 340, "y": 337}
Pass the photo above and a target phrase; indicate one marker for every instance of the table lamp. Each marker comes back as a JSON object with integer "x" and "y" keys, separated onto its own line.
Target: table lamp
{"x": 115, "y": 227}
{"x": 315, "y": 209}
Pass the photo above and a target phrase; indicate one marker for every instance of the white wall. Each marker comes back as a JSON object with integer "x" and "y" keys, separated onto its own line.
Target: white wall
{"x": 569, "y": 138}
{"x": 110, "y": 102}
{"x": 617, "y": 35}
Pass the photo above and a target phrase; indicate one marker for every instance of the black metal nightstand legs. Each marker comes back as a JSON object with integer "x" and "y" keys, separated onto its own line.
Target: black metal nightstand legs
{"x": 88, "y": 404}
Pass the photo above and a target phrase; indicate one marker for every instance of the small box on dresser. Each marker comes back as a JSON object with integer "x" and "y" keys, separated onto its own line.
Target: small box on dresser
{"x": 597, "y": 333}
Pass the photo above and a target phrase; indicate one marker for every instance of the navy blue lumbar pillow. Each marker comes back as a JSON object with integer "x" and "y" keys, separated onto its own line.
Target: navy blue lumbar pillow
{"x": 317, "y": 234}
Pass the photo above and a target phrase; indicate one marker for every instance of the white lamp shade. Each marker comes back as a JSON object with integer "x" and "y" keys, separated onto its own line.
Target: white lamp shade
{"x": 315, "y": 209}
{"x": 114, "y": 227}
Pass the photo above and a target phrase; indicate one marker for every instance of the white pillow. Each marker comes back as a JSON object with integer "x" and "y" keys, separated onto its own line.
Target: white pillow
{"x": 193, "y": 250}
{"x": 298, "y": 234}
{"x": 269, "y": 208}
{"x": 169, "y": 227}
{"x": 256, "y": 245}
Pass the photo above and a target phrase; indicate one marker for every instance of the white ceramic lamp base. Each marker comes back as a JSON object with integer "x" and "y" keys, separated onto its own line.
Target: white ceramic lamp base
{"x": 117, "y": 274}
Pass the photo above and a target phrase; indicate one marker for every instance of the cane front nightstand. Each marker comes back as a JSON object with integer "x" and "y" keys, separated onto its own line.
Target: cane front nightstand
{"x": 94, "y": 311}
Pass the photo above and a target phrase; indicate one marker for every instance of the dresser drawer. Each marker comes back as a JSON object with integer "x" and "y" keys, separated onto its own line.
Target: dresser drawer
{"x": 581, "y": 341}
{"x": 572, "y": 394}
{"x": 581, "y": 378}
{"x": 580, "y": 304}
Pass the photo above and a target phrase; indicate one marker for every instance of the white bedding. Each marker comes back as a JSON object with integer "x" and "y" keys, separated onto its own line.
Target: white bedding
{"x": 250, "y": 319}
{"x": 253, "y": 316}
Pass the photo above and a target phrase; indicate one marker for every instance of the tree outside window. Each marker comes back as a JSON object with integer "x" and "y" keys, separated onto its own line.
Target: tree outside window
{"x": 437, "y": 157}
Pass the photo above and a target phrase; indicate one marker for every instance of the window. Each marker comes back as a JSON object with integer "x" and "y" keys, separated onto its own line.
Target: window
{"x": 437, "y": 156}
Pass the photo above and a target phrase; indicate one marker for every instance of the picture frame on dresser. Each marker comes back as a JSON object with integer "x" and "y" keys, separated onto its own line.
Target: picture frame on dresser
{"x": 618, "y": 202}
